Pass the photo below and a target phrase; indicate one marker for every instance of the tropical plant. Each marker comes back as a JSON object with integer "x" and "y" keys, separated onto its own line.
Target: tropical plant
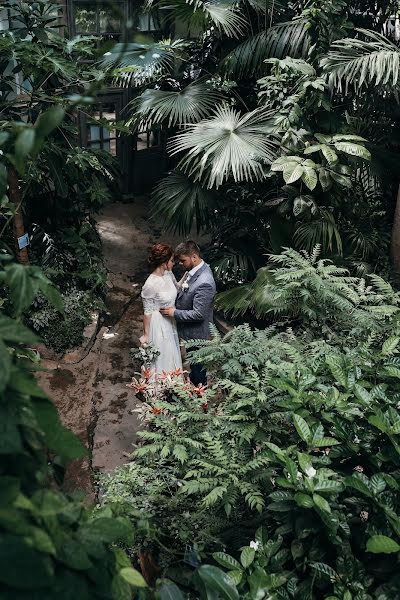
{"x": 297, "y": 52}
{"x": 317, "y": 292}
{"x": 298, "y": 430}
{"x": 51, "y": 187}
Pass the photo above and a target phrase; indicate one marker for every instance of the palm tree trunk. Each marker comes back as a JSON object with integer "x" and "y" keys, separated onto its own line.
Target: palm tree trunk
{"x": 18, "y": 222}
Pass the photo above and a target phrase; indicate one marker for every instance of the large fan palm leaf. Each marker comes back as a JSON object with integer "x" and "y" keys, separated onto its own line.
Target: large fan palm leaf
{"x": 193, "y": 103}
{"x": 374, "y": 60}
{"x": 227, "y": 145}
{"x": 179, "y": 201}
{"x": 224, "y": 15}
{"x": 135, "y": 64}
{"x": 279, "y": 41}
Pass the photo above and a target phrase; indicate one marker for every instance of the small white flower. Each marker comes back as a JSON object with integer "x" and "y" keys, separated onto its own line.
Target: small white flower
{"x": 255, "y": 545}
{"x": 311, "y": 472}
{"x": 185, "y": 286}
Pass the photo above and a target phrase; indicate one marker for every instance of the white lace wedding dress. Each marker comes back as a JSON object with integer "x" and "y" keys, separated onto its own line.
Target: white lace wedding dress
{"x": 160, "y": 292}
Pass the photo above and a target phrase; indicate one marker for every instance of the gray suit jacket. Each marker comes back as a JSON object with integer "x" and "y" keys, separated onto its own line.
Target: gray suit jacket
{"x": 194, "y": 306}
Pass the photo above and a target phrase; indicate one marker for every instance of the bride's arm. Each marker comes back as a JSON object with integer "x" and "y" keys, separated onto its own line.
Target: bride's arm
{"x": 148, "y": 298}
{"x": 146, "y": 329}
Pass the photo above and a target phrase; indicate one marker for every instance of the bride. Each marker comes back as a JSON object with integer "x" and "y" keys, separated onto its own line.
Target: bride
{"x": 159, "y": 291}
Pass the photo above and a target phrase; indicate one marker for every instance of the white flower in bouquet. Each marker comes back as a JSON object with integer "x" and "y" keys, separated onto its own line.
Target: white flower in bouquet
{"x": 146, "y": 354}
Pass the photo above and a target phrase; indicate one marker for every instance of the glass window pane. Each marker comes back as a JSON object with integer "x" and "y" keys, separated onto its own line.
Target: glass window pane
{"x": 85, "y": 19}
{"x": 110, "y": 19}
{"x": 94, "y": 132}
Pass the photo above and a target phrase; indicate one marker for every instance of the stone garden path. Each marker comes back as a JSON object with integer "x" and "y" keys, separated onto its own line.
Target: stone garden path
{"x": 90, "y": 391}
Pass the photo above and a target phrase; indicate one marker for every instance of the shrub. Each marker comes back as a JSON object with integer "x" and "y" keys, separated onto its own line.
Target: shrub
{"x": 62, "y": 332}
{"x": 301, "y": 437}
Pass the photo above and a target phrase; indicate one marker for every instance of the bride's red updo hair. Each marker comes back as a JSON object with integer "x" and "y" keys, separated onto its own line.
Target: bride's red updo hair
{"x": 159, "y": 254}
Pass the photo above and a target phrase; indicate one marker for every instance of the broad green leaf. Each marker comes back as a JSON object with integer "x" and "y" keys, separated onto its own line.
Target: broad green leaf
{"x": 353, "y": 149}
{"x": 107, "y": 529}
{"x": 328, "y": 486}
{"x": 227, "y": 561}
{"x": 22, "y": 286}
{"x": 310, "y": 178}
{"x": 312, "y": 149}
{"x": 341, "y": 179}
{"x": 10, "y": 436}
{"x": 236, "y": 576}
{"x": 377, "y": 483}
{"x": 378, "y": 422}
{"x": 382, "y": 544}
{"x": 14, "y": 332}
{"x": 23, "y": 146}
{"x": 305, "y": 462}
{"x": 57, "y": 437}
{"x": 396, "y": 428}
{"x": 324, "y": 179}
{"x": 360, "y": 483}
{"x": 362, "y": 394}
{"x": 275, "y": 449}
{"x": 247, "y": 556}
{"x": 51, "y": 293}
{"x": 321, "y": 503}
{"x": 72, "y": 554}
{"x": 303, "y": 500}
{"x": 302, "y": 428}
{"x": 325, "y": 569}
{"x": 133, "y": 577}
{"x": 329, "y": 154}
{"x": 325, "y": 441}
{"x": 46, "y": 123}
{"x": 292, "y": 176}
{"x": 217, "y": 580}
{"x": 22, "y": 567}
{"x": 120, "y": 589}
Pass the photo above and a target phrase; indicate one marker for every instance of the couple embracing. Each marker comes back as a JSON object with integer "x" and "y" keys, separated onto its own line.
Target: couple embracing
{"x": 176, "y": 310}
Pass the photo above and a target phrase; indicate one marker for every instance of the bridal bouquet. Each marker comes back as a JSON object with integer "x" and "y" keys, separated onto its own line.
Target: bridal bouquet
{"x": 145, "y": 354}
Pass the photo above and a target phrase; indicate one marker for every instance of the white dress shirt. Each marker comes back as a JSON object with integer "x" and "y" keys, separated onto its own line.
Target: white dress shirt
{"x": 194, "y": 270}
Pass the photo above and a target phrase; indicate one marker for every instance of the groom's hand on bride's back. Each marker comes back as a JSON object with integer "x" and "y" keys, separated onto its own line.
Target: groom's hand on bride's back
{"x": 168, "y": 312}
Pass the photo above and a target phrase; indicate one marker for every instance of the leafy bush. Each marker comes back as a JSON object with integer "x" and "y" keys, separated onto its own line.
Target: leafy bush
{"x": 62, "y": 332}
{"x": 299, "y": 435}
{"x": 302, "y": 287}
{"x": 51, "y": 545}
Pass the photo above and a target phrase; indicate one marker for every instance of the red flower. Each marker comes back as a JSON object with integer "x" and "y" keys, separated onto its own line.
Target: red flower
{"x": 156, "y": 411}
{"x": 179, "y": 372}
{"x": 199, "y": 390}
{"x": 139, "y": 386}
{"x": 147, "y": 373}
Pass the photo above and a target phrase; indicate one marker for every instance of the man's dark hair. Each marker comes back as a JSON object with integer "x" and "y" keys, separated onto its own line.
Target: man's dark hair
{"x": 187, "y": 248}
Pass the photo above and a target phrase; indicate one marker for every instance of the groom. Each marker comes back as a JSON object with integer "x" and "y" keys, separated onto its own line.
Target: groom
{"x": 193, "y": 309}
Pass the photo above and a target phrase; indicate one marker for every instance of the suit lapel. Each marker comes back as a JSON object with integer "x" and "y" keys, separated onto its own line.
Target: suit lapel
{"x": 193, "y": 279}
{"x": 196, "y": 275}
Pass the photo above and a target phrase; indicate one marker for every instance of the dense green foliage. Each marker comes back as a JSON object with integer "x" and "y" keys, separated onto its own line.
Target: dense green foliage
{"x": 299, "y": 434}
{"x": 270, "y": 88}
{"x": 51, "y": 545}
{"x": 61, "y": 184}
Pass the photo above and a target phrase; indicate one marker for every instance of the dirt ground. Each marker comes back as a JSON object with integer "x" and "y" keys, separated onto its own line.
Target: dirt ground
{"x": 92, "y": 394}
